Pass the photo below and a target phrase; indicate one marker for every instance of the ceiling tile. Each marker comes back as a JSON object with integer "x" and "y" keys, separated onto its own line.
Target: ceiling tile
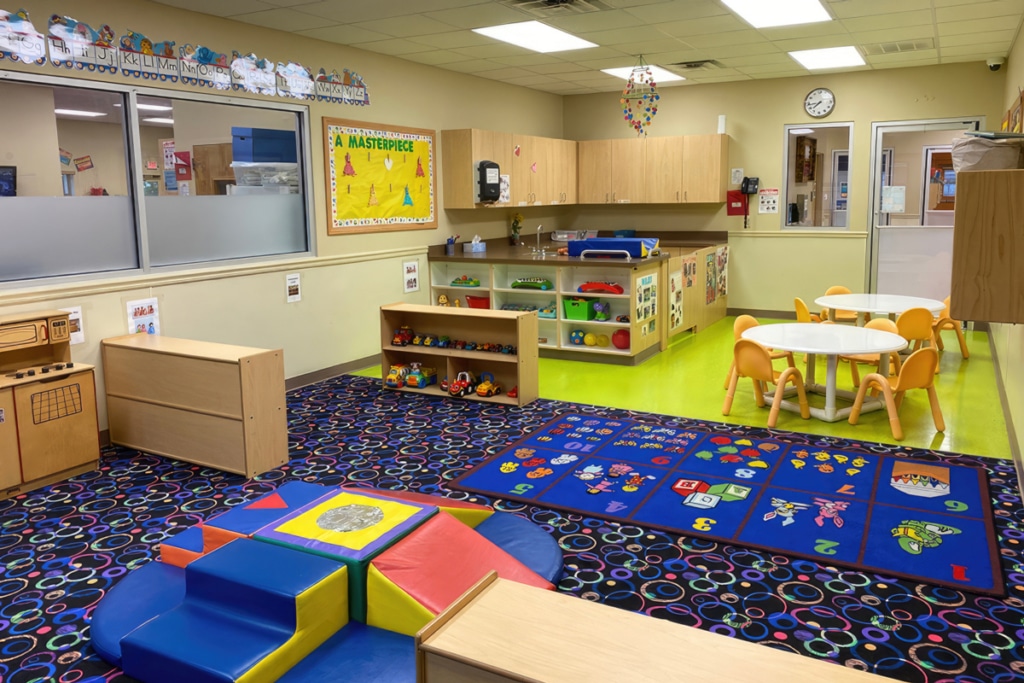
{"x": 978, "y": 10}
{"x": 634, "y": 34}
{"x": 473, "y": 66}
{"x": 453, "y": 39}
{"x": 981, "y": 50}
{"x": 820, "y": 28}
{"x": 904, "y": 57}
{"x": 744, "y": 50}
{"x": 774, "y": 69}
{"x": 434, "y": 57}
{"x": 844, "y": 9}
{"x": 696, "y": 27}
{"x": 509, "y": 72}
{"x": 344, "y": 35}
{"x": 893, "y": 35}
{"x": 724, "y": 79}
{"x": 883, "y": 21}
{"x": 713, "y": 40}
{"x": 812, "y": 43}
{"x": 531, "y": 60}
{"x": 494, "y": 49}
{"x": 476, "y": 16}
{"x": 756, "y": 60}
{"x": 224, "y": 8}
{"x": 281, "y": 19}
{"x": 594, "y": 21}
{"x": 534, "y": 80}
{"x": 950, "y": 28}
{"x": 349, "y": 12}
{"x": 988, "y": 38}
{"x": 393, "y": 46}
{"x": 408, "y": 27}
{"x": 647, "y": 47}
{"x": 678, "y": 11}
{"x": 553, "y": 68}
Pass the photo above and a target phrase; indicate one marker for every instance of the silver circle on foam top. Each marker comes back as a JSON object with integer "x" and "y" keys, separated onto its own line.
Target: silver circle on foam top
{"x": 350, "y": 518}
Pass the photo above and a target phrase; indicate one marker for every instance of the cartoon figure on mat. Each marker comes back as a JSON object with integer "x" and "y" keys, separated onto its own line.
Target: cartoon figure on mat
{"x": 619, "y": 469}
{"x": 914, "y": 536}
{"x": 604, "y": 486}
{"x": 564, "y": 459}
{"x": 589, "y": 473}
{"x": 635, "y": 481}
{"x": 830, "y": 509}
{"x": 785, "y": 509}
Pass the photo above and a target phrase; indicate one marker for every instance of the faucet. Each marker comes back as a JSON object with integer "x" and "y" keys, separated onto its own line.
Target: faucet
{"x": 539, "y": 252}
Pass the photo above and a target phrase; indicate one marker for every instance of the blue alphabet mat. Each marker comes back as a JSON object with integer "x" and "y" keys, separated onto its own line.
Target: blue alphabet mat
{"x": 895, "y": 516}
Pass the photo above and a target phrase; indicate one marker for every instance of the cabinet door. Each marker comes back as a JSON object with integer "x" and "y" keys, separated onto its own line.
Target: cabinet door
{"x": 627, "y": 170}
{"x": 565, "y": 171}
{"x": 594, "y": 176}
{"x": 10, "y": 465}
{"x": 530, "y": 170}
{"x": 57, "y": 424}
{"x": 663, "y": 170}
{"x": 493, "y": 146}
{"x": 704, "y": 160}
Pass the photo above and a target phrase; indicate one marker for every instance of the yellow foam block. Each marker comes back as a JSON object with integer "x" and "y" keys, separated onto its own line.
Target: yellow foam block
{"x": 306, "y": 525}
{"x": 391, "y": 608}
{"x": 320, "y": 612}
{"x": 468, "y": 516}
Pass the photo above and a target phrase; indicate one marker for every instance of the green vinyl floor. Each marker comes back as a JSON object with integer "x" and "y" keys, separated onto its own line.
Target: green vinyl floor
{"x": 687, "y": 380}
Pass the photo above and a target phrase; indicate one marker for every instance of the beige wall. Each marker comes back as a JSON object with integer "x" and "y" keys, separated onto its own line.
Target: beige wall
{"x": 29, "y": 133}
{"x": 104, "y": 144}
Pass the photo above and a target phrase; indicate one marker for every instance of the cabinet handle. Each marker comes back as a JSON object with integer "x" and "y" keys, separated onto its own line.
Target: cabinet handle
{"x": 677, "y": 195}
{"x": 613, "y": 197}
{"x": 686, "y": 196}
{"x": 605, "y": 197}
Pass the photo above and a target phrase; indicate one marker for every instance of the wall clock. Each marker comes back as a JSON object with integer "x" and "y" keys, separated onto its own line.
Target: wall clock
{"x": 819, "y": 103}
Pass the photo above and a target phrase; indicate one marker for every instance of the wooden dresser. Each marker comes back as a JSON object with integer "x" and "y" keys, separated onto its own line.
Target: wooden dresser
{"x": 216, "y": 405}
{"x": 48, "y": 423}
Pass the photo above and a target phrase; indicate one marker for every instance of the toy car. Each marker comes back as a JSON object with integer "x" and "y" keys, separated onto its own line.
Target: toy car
{"x": 396, "y": 376}
{"x": 464, "y": 383}
{"x": 444, "y": 342}
{"x": 429, "y": 341}
{"x": 622, "y": 318}
{"x": 444, "y": 384}
{"x": 487, "y": 387}
{"x": 465, "y": 281}
{"x": 602, "y": 287}
{"x": 403, "y": 336}
{"x": 417, "y": 340}
{"x": 548, "y": 311}
{"x": 419, "y": 378}
{"x": 514, "y": 392}
{"x": 532, "y": 283}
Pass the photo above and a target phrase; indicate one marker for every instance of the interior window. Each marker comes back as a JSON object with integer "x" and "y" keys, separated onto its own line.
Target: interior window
{"x": 817, "y": 159}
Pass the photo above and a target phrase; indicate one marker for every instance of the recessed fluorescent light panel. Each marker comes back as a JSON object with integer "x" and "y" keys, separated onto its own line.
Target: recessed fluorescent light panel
{"x": 657, "y": 73}
{"x": 828, "y": 58}
{"x": 800, "y": 131}
{"x": 768, "y": 13}
{"x": 78, "y": 112}
{"x": 535, "y": 36}
{"x": 152, "y": 107}
{"x": 159, "y": 120}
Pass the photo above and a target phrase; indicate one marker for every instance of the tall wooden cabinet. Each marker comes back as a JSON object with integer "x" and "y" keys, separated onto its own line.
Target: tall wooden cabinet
{"x": 705, "y": 172}
{"x": 988, "y": 247}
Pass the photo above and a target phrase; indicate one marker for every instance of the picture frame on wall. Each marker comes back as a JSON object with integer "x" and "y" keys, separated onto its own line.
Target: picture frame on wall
{"x": 379, "y": 177}
{"x": 1015, "y": 112}
{"x": 8, "y": 181}
{"x": 1005, "y": 127}
{"x": 805, "y": 159}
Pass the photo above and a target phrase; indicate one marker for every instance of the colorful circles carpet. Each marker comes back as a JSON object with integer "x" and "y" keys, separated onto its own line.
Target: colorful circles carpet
{"x": 873, "y": 512}
{"x": 63, "y": 546}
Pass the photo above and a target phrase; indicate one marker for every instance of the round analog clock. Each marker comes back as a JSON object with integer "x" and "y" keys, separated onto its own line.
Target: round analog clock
{"x": 819, "y": 103}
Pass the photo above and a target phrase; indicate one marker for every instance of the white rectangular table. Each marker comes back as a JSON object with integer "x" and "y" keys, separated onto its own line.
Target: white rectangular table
{"x": 890, "y": 304}
{"x": 831, "y": 341}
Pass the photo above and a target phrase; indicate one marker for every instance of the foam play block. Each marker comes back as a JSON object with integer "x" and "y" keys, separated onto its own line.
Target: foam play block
{"x": 411, "y": 583}
{"x": 468, "y": 513}
{"x": 183, "y": 548}
{"x": 359, "y": 653}
{"x": 251, "y": 611}
{"x": 349, "y": 527}
{"x": 244, "y": 520}
{"x": 140, "y": 596}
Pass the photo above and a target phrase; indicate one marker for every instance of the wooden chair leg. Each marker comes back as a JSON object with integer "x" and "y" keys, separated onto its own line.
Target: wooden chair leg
{"x": 933, "y": 399}
{"x": 731, "y": 393}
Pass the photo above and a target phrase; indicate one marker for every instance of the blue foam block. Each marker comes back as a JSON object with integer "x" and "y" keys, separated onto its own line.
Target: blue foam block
{"x": 143, "y": 594}
{"x": 189, "y": 539}
{"x": 246, "y": 519}
{"x": 359, "y": 653}
{"x": 525, "y": 541}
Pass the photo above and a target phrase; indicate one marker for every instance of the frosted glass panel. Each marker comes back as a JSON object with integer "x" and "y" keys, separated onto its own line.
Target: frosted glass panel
{"x": 211, "y": 228}
{"x": 53, "y": 236}
{"x": 915, "y": 261}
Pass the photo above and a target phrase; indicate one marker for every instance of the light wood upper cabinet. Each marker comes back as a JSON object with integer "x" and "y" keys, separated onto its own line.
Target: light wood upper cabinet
{"x": 663, "y": 170}
{"x": 628, "y": 171}
{"x": 705, "y": 158}
{"x": 461, "y": 151}
{"x": 565, "y": 171}
{"x": 594, "y": 164}
{"x": 611, "y": 171}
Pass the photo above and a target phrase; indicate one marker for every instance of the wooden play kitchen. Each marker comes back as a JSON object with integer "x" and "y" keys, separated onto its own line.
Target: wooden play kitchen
{"x": 48, "y": 423}
{"x": 217, "y": 405}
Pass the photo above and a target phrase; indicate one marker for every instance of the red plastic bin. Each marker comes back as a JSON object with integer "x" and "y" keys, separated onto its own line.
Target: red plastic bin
{"x": 478, "y": 301}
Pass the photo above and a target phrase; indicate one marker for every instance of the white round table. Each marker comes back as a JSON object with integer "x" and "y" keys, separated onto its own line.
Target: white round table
{"x": 890, "y": 304}
{"x": 831, "y": 341}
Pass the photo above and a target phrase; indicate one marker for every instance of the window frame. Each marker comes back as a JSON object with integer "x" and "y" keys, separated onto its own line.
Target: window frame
{"x": 786, "y": 168}
{"x": 136, "y": 176}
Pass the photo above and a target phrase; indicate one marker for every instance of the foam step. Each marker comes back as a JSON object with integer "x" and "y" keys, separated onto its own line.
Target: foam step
{"x": 251, "y": 611}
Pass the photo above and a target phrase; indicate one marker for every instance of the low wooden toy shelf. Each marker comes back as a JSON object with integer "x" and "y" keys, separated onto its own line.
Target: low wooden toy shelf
{"x": 482, "y": 326}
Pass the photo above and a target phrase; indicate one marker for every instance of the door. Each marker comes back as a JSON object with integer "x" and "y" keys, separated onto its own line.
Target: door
{"x": 212, "y": 165}
{"x": 908, "y": 254}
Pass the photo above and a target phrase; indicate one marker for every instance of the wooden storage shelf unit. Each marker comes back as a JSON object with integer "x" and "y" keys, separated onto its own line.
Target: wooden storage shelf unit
{"x": 988, "y": 247}
{"x": 48, "y": 422}
{"x": 518, "y": 329}
{"x": 216, "y": 405}
{"x": 491, "y": 635}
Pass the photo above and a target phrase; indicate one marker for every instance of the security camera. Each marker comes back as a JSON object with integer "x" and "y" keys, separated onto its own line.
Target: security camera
{"x": 994, "y": 63}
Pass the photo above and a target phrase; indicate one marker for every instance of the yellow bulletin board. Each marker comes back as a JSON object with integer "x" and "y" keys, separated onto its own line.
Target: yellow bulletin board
{"x": 379, "y": 178}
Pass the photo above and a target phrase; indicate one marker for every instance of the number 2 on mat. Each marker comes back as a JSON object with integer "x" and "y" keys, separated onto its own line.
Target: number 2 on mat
{"x": 825, "y": 547}
{"x": 704, "y": 523}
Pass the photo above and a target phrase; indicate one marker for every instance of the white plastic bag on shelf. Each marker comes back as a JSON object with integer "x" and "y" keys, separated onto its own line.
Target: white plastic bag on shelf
{"x": 972, "y": 153}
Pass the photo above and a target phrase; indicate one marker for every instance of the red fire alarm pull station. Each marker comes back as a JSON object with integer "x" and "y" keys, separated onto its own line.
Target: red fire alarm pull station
{"x": 736, "y": 203}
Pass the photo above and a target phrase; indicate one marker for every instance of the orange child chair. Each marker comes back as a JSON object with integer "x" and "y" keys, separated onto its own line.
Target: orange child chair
{"x": 741, "y": 325}
{"x": 755, "y": 361}
{"x": 837, "y": 315}
{"x": 945, "y": 322}
{"x": 803, "y": 314}
{"x": 915, "y": 325}
{"x": 874, "y": 359}
{"x": 918, "y": 372}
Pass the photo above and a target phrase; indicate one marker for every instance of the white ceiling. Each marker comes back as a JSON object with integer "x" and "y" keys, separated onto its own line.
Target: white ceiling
{"x": 889, "y": 33}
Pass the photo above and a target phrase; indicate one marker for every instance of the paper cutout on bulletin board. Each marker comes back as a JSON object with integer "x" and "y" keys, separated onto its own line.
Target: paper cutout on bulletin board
{"x": 75, "y": 44}
{"x": 19, "y": 39}
{"x": 894, "y": 199}
{"x": 141, "y": 57}
{"x": 379, "y": 177}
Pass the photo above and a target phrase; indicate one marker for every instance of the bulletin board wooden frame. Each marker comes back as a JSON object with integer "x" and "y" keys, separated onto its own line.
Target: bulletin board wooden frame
{"x": 805, "y": 161}
{"x": 379, "y": 178}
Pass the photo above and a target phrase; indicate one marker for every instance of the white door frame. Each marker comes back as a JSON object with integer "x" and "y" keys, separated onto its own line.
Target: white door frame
{"x": 878, "y": 130}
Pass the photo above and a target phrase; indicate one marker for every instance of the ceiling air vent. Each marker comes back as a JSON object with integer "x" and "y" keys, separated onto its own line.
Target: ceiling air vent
{"x": 549, "y": 8}
{"x": 898, "y": 47}
{"x": 699, "y": 65}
